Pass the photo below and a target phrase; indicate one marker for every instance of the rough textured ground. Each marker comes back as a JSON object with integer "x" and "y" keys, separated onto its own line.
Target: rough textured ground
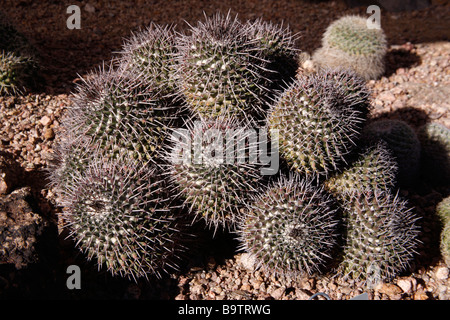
{"x": 415, "y": 88}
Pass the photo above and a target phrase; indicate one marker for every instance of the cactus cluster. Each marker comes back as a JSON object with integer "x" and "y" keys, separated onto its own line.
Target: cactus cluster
{"x": 18, "y": 60}
{"x": 133, "y": 166}
{"x": 349, "y": 43}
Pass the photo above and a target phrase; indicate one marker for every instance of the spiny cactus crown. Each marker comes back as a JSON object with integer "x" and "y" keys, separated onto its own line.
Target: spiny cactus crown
{"x": 319, "y": 121}
{"x": 210, "y": 164}
{"x": 381, "y": 238}
{"x": 219, "y": 70}
{"x": 352, "y": 35}
{"x": 118, "y": 212}
{"x": 290, "y": 228}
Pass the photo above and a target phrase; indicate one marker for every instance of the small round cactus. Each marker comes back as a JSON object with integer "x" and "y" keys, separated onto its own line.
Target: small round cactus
{"x": 150, "y": 56}
{"x": 319, "y": 119}
{"x": 382, "y": 236}
{"x": 220, "y": 73}
{"x": 18, "y": 60}
{"x": 212, "y": 168}
{"x": 118, "y": 213}
{"x": 16, "y": 73}
{"x": 443, "y": 210}
{"x": 118, "y": 114}
{"x": 445, "y": 244}
{"x": 374, "y": 169}
{"x": 291, "y": 228}
{"x": 277, "y": 44}
{"x": 402, "y": 141}
{"x": 435, "y": 143}
{"x": 349, "y": 43}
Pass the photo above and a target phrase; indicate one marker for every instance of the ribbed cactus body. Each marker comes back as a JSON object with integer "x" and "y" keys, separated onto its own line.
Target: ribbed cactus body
{"x": 349, "y": 43}
{"x": 382, "y": 236}
{"x": 291, "y": 228}
{"x": 319, "y": 120}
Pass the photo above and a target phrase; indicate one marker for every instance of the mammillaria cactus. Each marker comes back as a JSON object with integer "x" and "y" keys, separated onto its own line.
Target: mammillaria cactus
{"x": 18, "y": 62}
{"x": 402, "y": 141}
{"x": 118, "y": 213}
{"x": 277, "y": 44}
{"x": 119, "y": 115}
{"x": 445, "y": 244}
{"x": 150, "y": 56}
{"x": 349, "y": 43}
{"x": 16, "y": 72}
{"x": 382, "y": 236}
{"x": 319, "y": 119}
{"x": 291, "y": 228}
{"x": 375, "y": 169}
{"x": 211, "y": 166}
{"x": 443, "y": 212}
{"x": 220, "y": 71}
{"x": 435, "y": 158}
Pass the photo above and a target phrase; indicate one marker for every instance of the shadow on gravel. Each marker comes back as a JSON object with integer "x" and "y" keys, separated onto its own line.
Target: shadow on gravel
{"x": 400, "y": 58}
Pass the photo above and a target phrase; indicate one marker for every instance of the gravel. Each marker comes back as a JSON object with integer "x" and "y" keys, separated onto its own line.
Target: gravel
{"x": 415, "y": 88}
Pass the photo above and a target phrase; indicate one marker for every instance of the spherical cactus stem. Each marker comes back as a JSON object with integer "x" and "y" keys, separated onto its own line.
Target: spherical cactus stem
{"x": 291, "y": 228}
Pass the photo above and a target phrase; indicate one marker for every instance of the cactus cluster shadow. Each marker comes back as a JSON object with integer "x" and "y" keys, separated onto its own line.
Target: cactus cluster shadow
{"x": 400, "y": 58}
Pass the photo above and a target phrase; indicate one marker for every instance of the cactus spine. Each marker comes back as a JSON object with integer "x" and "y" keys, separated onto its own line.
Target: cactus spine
{"x": 382, "y": 236}
{"x": 291, "y": 228}
{"x": 319, "y": 119}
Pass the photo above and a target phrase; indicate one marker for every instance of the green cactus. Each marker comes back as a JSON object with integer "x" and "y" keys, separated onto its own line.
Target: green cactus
{"x": 116, "y": 113}
{"x": 214, "y": 188}
{"x": 382, "y": 236}
{"x": 16, "y": 73}
{"x": 374, "y": 169}
{"x": 319, "y": 119}
{"x": 18, "y": 61}
{"x": 220, "y": 71}
{"x": 277, "y": 44}
{"x": 402, "y": 141}
{"x": 291, "y": 228}
{"x": 349, "y": 43}
{"x": 445, "y": 244}
{"x": 118, "y": 213}
{"x": 435, "y": 143}
{"x": 150, "y": 54}
{"x": 443, "y": 210}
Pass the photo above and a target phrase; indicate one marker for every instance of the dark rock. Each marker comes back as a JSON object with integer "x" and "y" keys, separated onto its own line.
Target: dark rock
{"x": 20, "y": 228}
{"x": 9, "y": 173}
